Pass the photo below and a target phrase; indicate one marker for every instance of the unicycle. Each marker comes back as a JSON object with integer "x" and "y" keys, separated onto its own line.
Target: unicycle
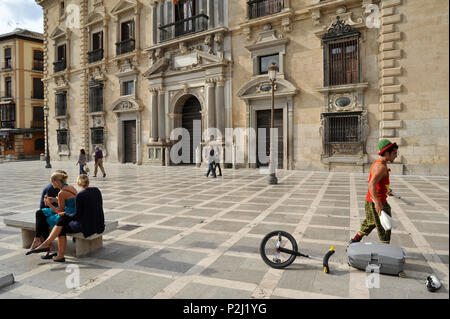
{"x": 279, "y": 249}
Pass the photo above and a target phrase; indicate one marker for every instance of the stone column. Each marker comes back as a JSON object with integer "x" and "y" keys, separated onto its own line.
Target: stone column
{"x": 211, "y": 108}
{"x": 161, "y": 116}
{"x": 155, "y": 117}
{"x": 220, "y": 107}
{"x": 137, "y": 28}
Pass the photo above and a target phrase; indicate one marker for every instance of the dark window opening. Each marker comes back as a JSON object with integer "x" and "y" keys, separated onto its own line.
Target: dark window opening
{"x": 38, "y": 60}
{"x": 97, "y": 135}
{"x": 96, "y": 99}
{"x": 266, "y": 61}
{"x": 7, "y": 115}
{"x": 38, "y": 117}
{"x": 39, "y": 144}
{"x": 61, "y": 136}
{"x": 60, "y": 63}
{"x": 61, "y": 103}
{"x": 8, "y": 61}
{"x": 38, "y": 88}
{"x": 128, "y": 88}
{"x": 8, "y": 87}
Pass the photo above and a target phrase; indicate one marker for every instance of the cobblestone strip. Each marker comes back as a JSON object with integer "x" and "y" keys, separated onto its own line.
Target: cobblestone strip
{"x": 424, "y": 248}
{"x": 270, "y": 280}
{"x": 423, "y": 196}
{"x": 357, "y": 287}
{"x": 178, "y": 284}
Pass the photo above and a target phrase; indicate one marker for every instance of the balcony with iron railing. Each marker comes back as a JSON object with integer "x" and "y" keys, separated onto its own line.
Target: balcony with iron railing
{"x": 7, "y": 124}
{"x": 95, "y": 55}
{"x": 261, "y": 8}
{"x": 183, "y": 27}
{"x": 59, "y": 65}
{"x": 125, "y": 46}
{"x": 8, "y": 65}
{"x": 5, "y": 96}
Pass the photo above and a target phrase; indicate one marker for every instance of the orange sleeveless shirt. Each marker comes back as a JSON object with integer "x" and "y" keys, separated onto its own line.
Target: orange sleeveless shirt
{"x": 382, "y": 186}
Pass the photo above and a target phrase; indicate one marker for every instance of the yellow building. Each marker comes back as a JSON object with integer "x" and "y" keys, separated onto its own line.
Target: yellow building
{"x": 21, "y": 94}
{"x": 126, "y": 74}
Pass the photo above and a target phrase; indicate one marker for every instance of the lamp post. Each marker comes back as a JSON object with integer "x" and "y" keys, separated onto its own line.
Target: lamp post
{"x": 47, "y": 155}
{"x": 272, "y": 70}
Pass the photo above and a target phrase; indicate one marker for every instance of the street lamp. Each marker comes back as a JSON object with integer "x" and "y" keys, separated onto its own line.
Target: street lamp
{"x": 272, "y": 70}
{"x": 47, "y": 157}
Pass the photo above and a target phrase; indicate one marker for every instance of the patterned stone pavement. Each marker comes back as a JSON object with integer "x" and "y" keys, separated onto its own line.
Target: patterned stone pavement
{"x": 182, "y": 235}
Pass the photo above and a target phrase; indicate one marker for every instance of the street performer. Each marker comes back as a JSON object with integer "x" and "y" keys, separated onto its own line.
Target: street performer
{"x": 376, "y": 199}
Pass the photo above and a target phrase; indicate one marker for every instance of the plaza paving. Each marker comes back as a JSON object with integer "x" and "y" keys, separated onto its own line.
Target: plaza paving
{"x": 182, "y": 235}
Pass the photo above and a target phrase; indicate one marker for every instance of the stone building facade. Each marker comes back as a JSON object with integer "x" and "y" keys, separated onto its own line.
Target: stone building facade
{"x": 133, "y": 77}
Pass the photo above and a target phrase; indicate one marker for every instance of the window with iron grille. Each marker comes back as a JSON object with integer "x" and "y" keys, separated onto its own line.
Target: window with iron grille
{"x": 341, "y": 55}
{"x": 61, "y": 103}
{"x": 261, "y": 8}
{"x": 342, "y": 128}
{"x": 61, "y": 136}
{"x": 97, "y": 135}
{"x": 96, "y": 98}
{"x": 7, "y": 115}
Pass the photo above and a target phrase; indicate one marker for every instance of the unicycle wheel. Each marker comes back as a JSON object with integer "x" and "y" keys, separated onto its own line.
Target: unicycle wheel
{"x": 271, "y": 255}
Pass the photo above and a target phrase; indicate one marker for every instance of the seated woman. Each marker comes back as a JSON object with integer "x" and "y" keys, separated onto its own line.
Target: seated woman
{"x": 49, "y": 215}
{"x": 88, "y": 219}
{"x": 42, "y": 228}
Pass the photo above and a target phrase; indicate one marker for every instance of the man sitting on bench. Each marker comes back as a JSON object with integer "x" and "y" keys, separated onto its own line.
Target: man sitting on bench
{"x": 88, "y": 219}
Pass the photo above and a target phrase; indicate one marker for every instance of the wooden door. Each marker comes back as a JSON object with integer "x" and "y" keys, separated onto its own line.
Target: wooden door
{"x": 129, "y": 128}
{"x": 263, "y": 121}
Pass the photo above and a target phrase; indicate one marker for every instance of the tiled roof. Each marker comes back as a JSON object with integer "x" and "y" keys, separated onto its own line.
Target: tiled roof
{"x": 23, "y": 33}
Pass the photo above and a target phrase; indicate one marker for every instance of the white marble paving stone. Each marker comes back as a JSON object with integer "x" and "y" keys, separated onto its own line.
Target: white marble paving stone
{"x": 222, "y": 256}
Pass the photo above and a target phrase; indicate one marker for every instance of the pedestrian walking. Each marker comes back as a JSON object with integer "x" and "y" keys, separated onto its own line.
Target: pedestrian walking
{"x": 217, "y": 160}
{"x": 82, "y": 159}
{"x": 211, "y": 162}
{"x": 378, "y": 190}
{"x": 98, "y": 158}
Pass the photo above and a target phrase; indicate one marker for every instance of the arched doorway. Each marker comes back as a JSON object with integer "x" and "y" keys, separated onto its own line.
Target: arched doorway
{"x": 190, "y": 113}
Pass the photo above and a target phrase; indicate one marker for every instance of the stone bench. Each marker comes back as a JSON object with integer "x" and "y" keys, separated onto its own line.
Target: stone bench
{"x": 83, "y": 246}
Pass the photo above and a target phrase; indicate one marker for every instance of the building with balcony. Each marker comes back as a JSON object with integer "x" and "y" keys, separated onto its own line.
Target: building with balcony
{"x": 21, "y": 94}
{"x": 138, "y": 76}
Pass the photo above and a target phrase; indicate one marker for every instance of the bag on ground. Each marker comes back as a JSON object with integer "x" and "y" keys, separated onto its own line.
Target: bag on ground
{"x": 386, "y": 258}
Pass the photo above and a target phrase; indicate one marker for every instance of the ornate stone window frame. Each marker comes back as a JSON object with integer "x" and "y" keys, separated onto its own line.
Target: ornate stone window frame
{"x": 268, "y": 43}
{"x": 342, "y": 26}
{"x": 60, "y": 37}
{"x": 98, "y": 20}
{"x": 126, "y": 10}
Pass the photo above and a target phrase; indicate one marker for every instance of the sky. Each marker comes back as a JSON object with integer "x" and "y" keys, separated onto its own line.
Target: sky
{"x": 24, "y": 14}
